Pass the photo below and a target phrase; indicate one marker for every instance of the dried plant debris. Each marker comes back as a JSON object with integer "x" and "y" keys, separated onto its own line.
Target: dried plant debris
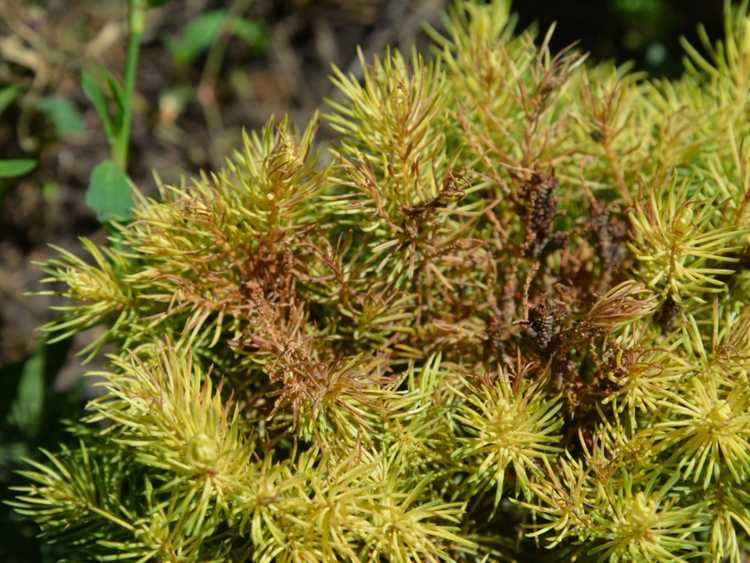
{"x": 537, "y": 195}
{"x": 479, "y": 332}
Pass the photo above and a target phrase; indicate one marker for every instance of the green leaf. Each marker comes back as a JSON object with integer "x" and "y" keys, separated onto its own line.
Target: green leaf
{"x": 250, "y": 32}
{"x": 16, "y": 167}
{"x": 155, "y": 3}
{"x": 109, "y": 193}
{"x": 8, "y": 94}
{"x": 115, "y": 90}
{"x": 26, "y": 411}
{"x": 62, "y": 114}
{"x": 94, "y": 93}
{"x": 197, "y": 36}
{"x": 203, "y": 30}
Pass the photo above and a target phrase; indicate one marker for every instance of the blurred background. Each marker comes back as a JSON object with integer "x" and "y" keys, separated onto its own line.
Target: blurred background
{"x": 207, "y": 70}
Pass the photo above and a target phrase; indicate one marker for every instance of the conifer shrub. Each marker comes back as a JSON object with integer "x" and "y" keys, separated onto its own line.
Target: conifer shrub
{"x": 505, "y": 319}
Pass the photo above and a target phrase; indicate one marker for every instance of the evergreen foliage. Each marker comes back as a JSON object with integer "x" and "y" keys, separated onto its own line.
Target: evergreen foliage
{"x": 509, "y": 315}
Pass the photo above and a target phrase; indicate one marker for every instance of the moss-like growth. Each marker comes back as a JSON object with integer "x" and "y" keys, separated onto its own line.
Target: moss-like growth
{"x": 509, "y": 315}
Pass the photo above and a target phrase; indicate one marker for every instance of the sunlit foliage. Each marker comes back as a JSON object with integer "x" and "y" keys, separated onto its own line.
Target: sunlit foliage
{"x": 507, "y": 314}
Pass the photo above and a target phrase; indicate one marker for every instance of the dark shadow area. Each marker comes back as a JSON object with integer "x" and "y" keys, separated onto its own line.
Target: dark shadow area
{"x": 646, "y": 32}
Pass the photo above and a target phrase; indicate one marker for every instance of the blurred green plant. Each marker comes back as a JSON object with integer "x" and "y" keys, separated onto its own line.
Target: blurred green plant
{"x": 109, "y": 193}
{"x": 11, "y": 168}
{"x": 58, "y": 111}
{"x": 209, "y": 33}
{"x": 62, "y": 115}
{"x": 203, "y": 31}
{"x": 32, "y": 412}
{"x": 8, "y": 94}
